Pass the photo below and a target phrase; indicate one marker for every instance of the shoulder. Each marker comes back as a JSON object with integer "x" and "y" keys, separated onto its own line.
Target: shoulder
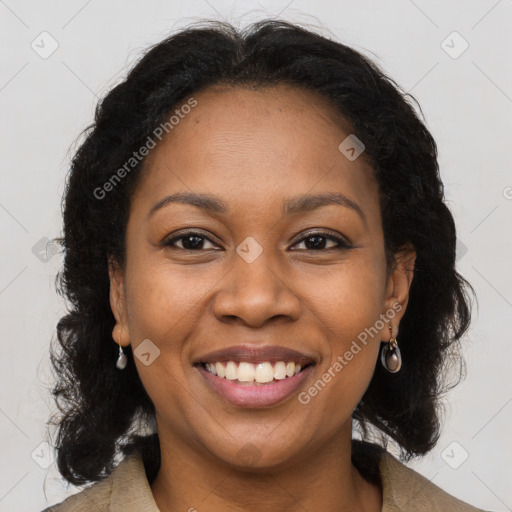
{"x": 125, "y": 489}
{"x": 404, "y": 489}
{"x": 97, "y": 496}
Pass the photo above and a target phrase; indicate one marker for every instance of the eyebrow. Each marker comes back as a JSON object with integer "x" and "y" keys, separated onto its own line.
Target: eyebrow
{"x": 206, "y": 202}
{"x": 306, "y": 203}
{"x": 294, "y": 205}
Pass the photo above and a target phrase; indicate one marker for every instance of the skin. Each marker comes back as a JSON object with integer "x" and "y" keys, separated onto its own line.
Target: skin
{"x": 255, "y": 149}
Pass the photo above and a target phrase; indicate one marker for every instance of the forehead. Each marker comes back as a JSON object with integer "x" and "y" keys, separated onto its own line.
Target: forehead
{"x": 255, "y": 147}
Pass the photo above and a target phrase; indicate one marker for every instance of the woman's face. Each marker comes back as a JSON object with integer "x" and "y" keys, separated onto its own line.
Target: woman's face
{"x": 261, "y": 273}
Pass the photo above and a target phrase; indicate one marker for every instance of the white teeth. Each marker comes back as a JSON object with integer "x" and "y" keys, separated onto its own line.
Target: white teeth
{"x": 246, "y": 372}
{"x": 231, "y": 371}
{"x": 221, "y": 371}
{"x": 290, "y": 369}
{"x": 264, "y": 373}
{"x": 280, "y": 370}
{"x": 261, "y": 373}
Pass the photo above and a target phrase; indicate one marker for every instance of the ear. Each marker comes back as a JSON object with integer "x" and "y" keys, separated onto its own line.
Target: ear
{"x": 120, "y": 332}
{"x": 397, "y": 290}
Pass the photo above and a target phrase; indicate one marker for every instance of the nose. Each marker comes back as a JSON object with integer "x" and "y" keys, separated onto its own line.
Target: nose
{"x": 254, "y": 293}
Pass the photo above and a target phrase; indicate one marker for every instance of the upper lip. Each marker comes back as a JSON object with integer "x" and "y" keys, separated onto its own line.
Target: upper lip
{"x": 256, "y": 354}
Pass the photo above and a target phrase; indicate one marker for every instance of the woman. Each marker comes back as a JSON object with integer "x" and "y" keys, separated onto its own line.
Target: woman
{"x": 257, "y": 254}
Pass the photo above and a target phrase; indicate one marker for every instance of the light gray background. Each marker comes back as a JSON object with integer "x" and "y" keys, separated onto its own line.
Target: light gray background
{"x": 467, "y": 101}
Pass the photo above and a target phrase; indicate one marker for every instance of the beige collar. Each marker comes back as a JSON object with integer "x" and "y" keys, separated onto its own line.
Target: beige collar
{"x": 130, "y": 487}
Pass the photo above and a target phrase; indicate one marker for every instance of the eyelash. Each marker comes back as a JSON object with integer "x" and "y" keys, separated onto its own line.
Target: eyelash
{"x": 342, "y": 244}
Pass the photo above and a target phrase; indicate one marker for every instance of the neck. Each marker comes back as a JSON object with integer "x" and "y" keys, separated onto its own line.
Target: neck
{"x": 323, "y": 479}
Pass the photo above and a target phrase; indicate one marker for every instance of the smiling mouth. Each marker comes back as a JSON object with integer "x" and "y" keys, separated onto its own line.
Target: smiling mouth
{"x": 254, "y": 374}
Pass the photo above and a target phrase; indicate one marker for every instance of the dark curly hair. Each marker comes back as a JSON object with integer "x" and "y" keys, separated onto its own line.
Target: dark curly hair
{"x": 97, "y": 405}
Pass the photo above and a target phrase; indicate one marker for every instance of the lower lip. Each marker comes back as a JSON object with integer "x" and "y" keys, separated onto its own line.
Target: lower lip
{"x": 255, "y": 396}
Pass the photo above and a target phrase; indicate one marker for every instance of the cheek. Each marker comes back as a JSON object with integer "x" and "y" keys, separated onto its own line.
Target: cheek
{"x": 161, "y": 300}
{"x": 162, "y": 308}
{"x": 346, "y": 299}
{"x": 347, "y": 307}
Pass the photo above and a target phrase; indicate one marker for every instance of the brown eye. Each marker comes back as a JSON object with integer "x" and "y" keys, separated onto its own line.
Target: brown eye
{"x": 190, "y": 241}
{"x": 322, "y": 241}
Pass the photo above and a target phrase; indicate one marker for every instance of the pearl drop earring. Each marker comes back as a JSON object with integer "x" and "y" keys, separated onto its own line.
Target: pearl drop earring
{"x": 122, "y": 360}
